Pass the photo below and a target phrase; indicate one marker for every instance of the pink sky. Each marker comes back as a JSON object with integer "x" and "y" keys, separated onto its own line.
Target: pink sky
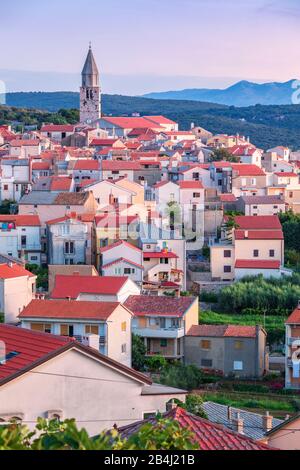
{"x": 155, "y": 44}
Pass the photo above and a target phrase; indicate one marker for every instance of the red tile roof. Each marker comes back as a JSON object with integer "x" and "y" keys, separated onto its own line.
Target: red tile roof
{"x": 190, "y": 185}
{"x": 294, "y": 317}
{"x": 227, "y": 198}
{"x": 230, "y": 331}
{"x": 244, "y": 169}
{"x": 287, "y": 175}
{"x": 103, "y": 142}
{"x": 120, "y": 260}
{"x": 131, "y": 122}
{"x": 119, "y": 243}
{"x": 12, "y": 271}
{"x": 30, "y": 345}
{"x": 209, "y": 436}
{"x": 35, "y": 348}
{"x": 257, "y": 264}
{"x": 24, "y": 143}
{"x": 41, "y": 165}
{"x": 70, "y": 309}
{"x": 267, "y": 222}
{"x": 258, "y": 234}
{"x": 145, "y": 305}
{"x": 119, "y": 165}
{"x": 58, "y": 128}
{"x": 29, "y": 220}
{"x": 87, "y": 165}
{"x": 160, "y": 254}
{"x": 72, "y": 286}
{"x": 160, "y": 120}
{"x": 60, "y": 183}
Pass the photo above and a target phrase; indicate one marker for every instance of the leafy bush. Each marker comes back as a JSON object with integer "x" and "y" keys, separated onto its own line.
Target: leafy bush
{"x": 166, "y": 434}
{"x": 193, "y": 404}
{"x": 156, "y": 363}
{"x": 182, "y": 376}
{"x": 272, "y": 296}
{"x": 209, "y": 297}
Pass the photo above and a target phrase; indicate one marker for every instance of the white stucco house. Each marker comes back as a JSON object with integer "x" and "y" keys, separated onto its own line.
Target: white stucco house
{"x": 17, "y": 289}
{"x": 106, "y": 326}
{"x": 61, "y": 378}
{"x": 122, "y": 259}
{"x": 94, "y": 288}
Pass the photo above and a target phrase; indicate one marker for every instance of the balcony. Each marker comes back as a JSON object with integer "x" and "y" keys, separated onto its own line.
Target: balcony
{"x": 166, "y": 333}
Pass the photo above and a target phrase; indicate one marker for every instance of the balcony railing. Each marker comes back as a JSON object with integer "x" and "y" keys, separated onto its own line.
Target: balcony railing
{"x": 171, "y": 333}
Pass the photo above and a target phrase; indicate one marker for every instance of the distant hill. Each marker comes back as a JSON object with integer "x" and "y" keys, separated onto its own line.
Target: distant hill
{"x": 241, "y": 94}
{"x": 267, "y": 126}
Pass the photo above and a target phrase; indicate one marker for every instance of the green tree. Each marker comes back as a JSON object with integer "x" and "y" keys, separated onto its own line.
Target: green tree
{"x": 138, "y": 353}
{"x": 156, "y": 363}
{"x": 223, "y": 154}
{"x": 193, "y": 404}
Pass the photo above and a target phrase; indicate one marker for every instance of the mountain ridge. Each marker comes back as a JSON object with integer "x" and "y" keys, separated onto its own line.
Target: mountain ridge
{"x": 241, "y": 94}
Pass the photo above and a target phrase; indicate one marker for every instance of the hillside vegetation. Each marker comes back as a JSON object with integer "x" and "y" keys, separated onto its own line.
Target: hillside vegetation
{"x": 267, "y": 126}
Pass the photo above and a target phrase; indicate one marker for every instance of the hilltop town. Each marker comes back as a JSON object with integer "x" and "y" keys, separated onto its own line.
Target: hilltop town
{"x": 145, "y": 269}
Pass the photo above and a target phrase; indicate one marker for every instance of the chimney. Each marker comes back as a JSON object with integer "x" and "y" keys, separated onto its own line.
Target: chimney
{"x": 246, "y": 234}
{"x": 171, "y": 405}
{"x": 287, "y": 417}
{"x": 93, "y": 341}
{"x": 76, "y": 273}
{"x": 238, "y": 424}
{"x": 229, "y": 413}
{"x": 267, "y": 422}
{"x": 299, "y": 304}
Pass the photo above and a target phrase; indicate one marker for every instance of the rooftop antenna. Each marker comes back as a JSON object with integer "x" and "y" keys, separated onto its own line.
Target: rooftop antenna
{"x": 90, "y": 45}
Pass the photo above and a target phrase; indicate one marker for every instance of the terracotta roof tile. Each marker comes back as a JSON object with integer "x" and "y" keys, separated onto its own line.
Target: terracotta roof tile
{"x": 72, "y": 286}
{"x": 208, "y": 435}
{"x": 143, "y": 305}
{"x": 69, "y": 309}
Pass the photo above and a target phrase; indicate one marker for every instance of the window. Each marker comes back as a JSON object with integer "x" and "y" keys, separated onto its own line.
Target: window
{"x": 162, "y": 322}
{"x": 227, "y": 269}
{"x": 124, "y": 326}
{"x": 175, "y": 323}
{"x": 124, "y": 348}
{"x": 205, "y": 344}
{"x": 206, "y": 362}
{"x": 238, "y": 365}
{"x": 238, "y": 345}
{"x": 67, "y": 330}
{"x": 196, "y": 176}
{"x": 23, "y": 240}
{"x": 164, "y": 260}
{"x": 253, "y": 181}
{"x": 127, "y": 271}
{"x": 34, "y": 258}
{"x": 115, "y": 172}
{"x": 256, "y": 253}
{"x": 272, "y": 253}
{"x": 42, "y": 327}
{"x": 227, "y": 253}
{"x": 91, "y": 330}
{"x": 146, "y": 259}
{"x": 5, "y": 187}
{"x": 163, "y": 343}
{"x": 291, "y": 194}
{"x": 196, "y": 195}
{"x": 69, "y": 248}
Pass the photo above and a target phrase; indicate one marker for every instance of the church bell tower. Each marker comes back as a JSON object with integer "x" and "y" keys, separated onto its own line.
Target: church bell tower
{"x": 90, "y": 92}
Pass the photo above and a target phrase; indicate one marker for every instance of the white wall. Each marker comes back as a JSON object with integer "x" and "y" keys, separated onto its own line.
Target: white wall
{"x": 92, "y": 393}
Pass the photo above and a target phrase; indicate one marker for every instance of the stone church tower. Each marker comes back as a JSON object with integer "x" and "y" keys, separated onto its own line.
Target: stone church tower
{"x": 90, "y": 92}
